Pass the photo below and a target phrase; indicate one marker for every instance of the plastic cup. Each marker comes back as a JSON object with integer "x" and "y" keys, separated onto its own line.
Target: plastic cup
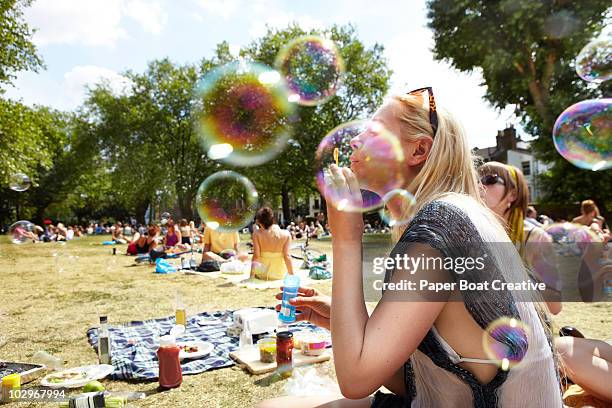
{"x": 267, "y": 350}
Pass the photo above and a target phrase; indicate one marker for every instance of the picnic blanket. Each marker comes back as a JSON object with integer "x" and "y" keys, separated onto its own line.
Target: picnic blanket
{"x": 134, "y": 345}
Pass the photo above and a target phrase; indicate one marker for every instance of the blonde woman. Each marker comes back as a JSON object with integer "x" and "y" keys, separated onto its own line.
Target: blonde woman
{"x": 507, "y": 195}
{"x": 271, "y": 258}
{"x": 429, "y": 353}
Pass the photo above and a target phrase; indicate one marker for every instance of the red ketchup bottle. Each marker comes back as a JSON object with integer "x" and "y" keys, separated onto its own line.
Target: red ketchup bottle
{"x": 170, "y": 372}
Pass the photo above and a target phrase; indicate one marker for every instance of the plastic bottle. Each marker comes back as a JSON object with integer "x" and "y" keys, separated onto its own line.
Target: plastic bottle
{"x": 607, "y": 289}
{"x": 180, "y": 310}
{"x": 170, "y": 371}
{"x": 104, "y": 342}
{"x": 49, "y": 361}
{"x": 291, "y": 285}
{"x": 246, "y": 338}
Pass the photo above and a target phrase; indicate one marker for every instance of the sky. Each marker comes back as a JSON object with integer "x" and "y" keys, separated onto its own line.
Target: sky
{"x": 83, "y": 42}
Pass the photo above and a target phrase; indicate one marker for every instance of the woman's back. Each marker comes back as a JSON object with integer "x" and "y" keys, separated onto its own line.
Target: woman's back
{"x": 436, "y": 375}
{"x": 272, "y": 239}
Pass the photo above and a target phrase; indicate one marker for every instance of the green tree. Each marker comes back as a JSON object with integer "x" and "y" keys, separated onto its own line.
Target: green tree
{"x": 17, "y": 52}
{"x": 525, "y": 50}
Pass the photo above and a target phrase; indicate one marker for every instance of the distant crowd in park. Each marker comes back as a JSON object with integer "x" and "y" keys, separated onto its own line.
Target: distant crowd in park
{"x": 187, "y": 233}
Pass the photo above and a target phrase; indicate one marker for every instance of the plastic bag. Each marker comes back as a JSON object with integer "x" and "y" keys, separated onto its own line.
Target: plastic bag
{"x": 311, "y": 380}
{"x": 163, "y": 266}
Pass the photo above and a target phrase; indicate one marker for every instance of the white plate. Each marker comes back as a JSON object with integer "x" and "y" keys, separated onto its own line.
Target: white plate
{"x": 204, "y": 349}
{"x": 87, "y": 374}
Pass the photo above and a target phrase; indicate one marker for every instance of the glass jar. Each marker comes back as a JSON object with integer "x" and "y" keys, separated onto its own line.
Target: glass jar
{"x": 284, "y": 353}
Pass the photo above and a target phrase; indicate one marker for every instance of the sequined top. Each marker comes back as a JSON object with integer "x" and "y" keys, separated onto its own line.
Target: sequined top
{"x": 447, "y": 229}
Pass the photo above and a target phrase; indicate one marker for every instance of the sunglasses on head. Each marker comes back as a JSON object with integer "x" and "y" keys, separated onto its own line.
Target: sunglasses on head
{"x": 491, "y": 179}
{"x": 433, "y": 114}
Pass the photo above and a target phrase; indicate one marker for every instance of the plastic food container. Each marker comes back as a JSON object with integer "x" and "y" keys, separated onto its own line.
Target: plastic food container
{"x": 267, "y": 350}
{"x": 313, "y": 344}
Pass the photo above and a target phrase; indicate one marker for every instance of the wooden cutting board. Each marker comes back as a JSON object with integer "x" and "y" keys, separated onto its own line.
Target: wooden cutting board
{"x": 250, "y": 358}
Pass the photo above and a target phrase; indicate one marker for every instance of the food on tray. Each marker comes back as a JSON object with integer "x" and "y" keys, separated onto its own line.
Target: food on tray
{"x": 267, "y": 350}
{"x": 66, "y": 376}
{"x": 189, "y": 349}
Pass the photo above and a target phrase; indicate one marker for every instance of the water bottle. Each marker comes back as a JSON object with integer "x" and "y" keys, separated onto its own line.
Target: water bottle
{"x": 291, "y": 285}
{"x": 104, "y": 342}
{"x": 607, "y": 289}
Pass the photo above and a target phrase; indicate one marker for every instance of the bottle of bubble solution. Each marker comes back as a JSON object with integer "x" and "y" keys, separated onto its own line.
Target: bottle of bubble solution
{"x": 290, "y": 290}
{"x": 104, "y": 342}
{"x": 180, "y": 310}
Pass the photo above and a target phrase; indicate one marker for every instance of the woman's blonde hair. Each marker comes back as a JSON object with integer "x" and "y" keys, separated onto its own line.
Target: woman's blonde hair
{"x": 449, "y": 167}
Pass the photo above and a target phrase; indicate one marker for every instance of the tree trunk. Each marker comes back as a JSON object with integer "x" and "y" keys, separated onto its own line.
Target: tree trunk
{"x": 141, "y": 210}
{"x": 286, "y": 204}
{"x": 184, "y": 206}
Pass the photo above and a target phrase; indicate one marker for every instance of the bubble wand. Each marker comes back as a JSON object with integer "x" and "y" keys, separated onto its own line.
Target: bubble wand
{"x": 336, "y": 154}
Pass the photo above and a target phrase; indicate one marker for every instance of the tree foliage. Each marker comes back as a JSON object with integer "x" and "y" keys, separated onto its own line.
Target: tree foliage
{"x": 17, "y": 52}
{"x": 525, "y": 50}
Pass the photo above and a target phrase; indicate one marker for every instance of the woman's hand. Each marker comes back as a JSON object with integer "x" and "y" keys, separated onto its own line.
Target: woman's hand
{"x": 314, "y": 307}
{"x": 343, "y": 201}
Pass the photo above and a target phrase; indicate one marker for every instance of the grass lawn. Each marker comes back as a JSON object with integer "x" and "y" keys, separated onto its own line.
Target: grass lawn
{"x": 52, "y": 293}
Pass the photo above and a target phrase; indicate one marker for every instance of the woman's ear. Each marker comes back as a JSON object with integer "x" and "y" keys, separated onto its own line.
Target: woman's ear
{"x": 419, "y": 151}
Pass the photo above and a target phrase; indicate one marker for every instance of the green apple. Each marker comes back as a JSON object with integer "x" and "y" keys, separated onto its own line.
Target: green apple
{"x": 93, "y": 386}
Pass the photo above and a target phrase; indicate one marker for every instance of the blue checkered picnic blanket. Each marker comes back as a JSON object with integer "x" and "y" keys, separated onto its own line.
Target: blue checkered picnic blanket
{"x": 134, "y": 345}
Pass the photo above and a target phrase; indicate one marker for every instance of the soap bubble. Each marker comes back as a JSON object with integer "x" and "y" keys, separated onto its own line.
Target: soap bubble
{"x": 398, "y": 198}
{"x": 227, "y": 201}
{"x": 19, "y": 182}
{"x": 21, "y": 232}
{"x": 571, "y": 239}
{"x": 166, "y": 216}
{"x": 561, "y": 24}
{"x": 583, "y": 134}
{"x": 259, "y": 270}
{"x": 313, "y": 69}
{"x": 505, "y": 340}
{"x": 378, "y": 163}
{"x": 244, "y": 116}
{"x": 594, "y": 62}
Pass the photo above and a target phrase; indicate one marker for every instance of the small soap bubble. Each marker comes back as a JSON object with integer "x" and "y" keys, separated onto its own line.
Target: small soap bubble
{"x": 22, "y": 232}
{"x": 227, "y": 201}
{"x": 313, "y": 69}
{"x": 400, "y": 200}
{"x": 594, "y": 62}
{"x": 19, "y": 182}
{"x": 505, "y": 341}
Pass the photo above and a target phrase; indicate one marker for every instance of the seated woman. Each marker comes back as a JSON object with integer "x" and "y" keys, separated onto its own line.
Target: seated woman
{"x": 427, "y": 347}
{"x": 173, "y": 236}
{"x": 271, "y": 258}
{"x": 147, "y": 242}
{"x": 506, "y": 194}
{"x": 215, "y": 242}
{"x": 117, "y": 233}
{"x": 186, "y": 232}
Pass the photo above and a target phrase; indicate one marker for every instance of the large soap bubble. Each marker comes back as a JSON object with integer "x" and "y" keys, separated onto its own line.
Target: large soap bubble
{"x": 377, "y": 161}
{"x": 583, "y": 134}
{"x": 243, "y": 114}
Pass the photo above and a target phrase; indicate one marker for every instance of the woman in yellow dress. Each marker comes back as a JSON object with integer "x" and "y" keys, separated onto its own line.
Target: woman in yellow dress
{"x": 271, "y": 258}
